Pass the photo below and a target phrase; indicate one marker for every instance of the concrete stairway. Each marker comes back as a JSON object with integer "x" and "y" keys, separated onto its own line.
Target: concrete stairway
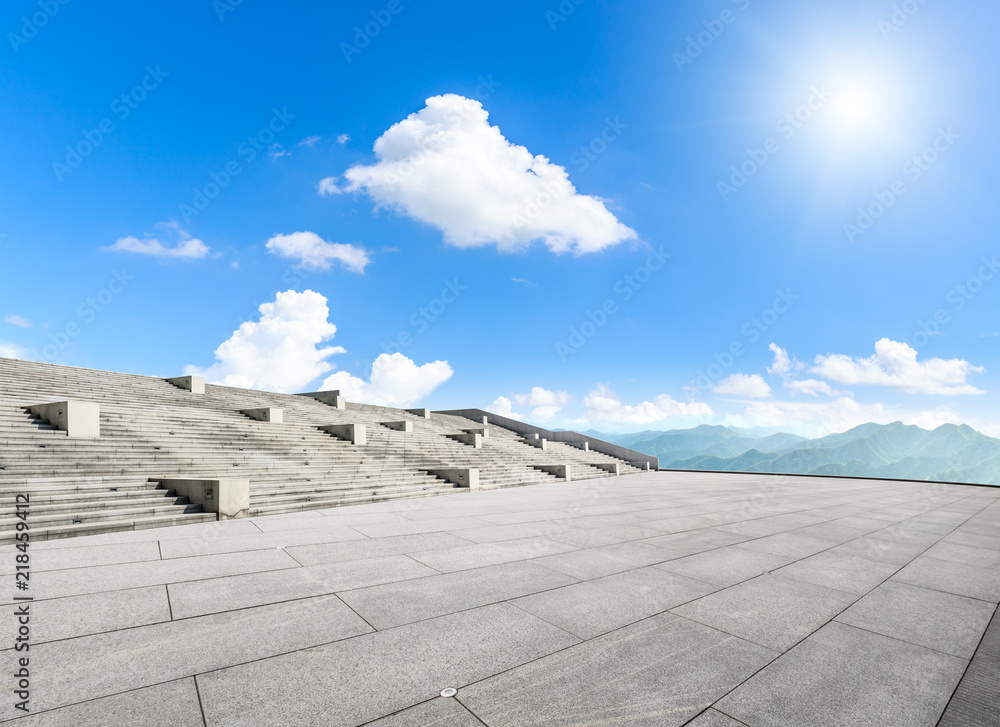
{"x": 152, "y": 429}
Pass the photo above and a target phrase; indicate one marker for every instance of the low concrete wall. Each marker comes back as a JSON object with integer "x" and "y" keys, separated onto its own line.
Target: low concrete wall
{"x": 406, "y": 426}
{"x": 611, "y": 467}
{"x": 470, "y": 438}
{"x": 79, "y": 419}
{"x": 559, "y": 470}
{"x": 271, "y": 414}
{"x": 536, "y": 442}
{"x": 585, "y": 446}
{"x": 353, "y": 433}
{"x": 330, "y": 398}
{"x": 638, "y": 459}
{"x": 463, "y": 477}
{"x": 424, "y": 413}
{"x": 194, "y": 384}
{"x": 228, "y": 498}
{"x": 479, "y": 430}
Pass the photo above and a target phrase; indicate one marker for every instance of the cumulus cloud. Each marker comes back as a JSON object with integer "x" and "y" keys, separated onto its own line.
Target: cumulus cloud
{"x": 395, "y": 380}
{"x": 312, "y": 252}
{"x": 171, "y": 242}
{"x": 547, "y": 403}
{"x": 16, "y": 320}
{"x": 818, "y": 419}
{"x": 328, "y": 186}
{"x": 783, "y": 365}
{"x": 276, "y": 151}
{"x": 750, "y": 386}
{"x": 446, "y": 166}
{"x": 282, "y": 351}
{"x": 503, "y": 407}
{"x": 812, "y": 387}
{"x": 343, "y": 139}
{"x": 895, "y": 366}
{"x": 310, "y": 141}
{"x": 12, "y": 350}
{"x": 603, "y": 404}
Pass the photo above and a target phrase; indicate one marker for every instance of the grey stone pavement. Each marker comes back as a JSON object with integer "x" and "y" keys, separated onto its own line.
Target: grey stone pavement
{"x": 708, "y": 600}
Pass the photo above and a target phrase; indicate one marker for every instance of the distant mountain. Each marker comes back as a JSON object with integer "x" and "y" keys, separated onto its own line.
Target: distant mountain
{"x": 949, "y": 453}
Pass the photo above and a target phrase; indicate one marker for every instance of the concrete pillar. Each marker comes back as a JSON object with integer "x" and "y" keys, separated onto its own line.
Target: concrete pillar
{"x": 79, "y": 419}
{"x": 353, "y": 433}
{"x": 470, "y": 438}
{"x": 478, "y": 430}
{"x": 330, "y": 398}
{"x": 406, "y": 426}
{"x": 194, "y": 384}
{"x": 611, "y": 467}
{"x": 539, "y": 443}
{"x": 226, "y": 497}
{"x": 424, "y": 413}
{"x": 463, "y": 477}
{"x": 559, "y": 470}
{"x": 274, "y": 415}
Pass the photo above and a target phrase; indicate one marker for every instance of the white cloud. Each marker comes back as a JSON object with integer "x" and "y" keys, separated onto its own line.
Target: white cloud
{"x": 314, "y": 253}
{"x": 281, "y": 351}
{"x": 310, "y": 141}
{"x": 894, "y": 365}
{"x": 446, "y": 166}
{"x": 818, "y": 419}
{"x": 12, "y": 350}
{"x": 276, "y": 151}
{"x": 603, "y": 404}
{"x": 812, "y": 387}
{"x": 16, "y": 320}
{"x": 177, "y": 243}
{"x": 783, "y": 365}
{"x": 750, "y": 386}
{"x": 524, "y": 281}
{"x": 395, "y": 381}
{"x": 343, "y": 139}
{"x": 328, "y": 186}
{"x": 547, "y": 403}
{"x": 503, "y": 406}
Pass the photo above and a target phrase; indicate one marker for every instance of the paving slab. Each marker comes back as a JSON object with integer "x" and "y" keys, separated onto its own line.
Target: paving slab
{"x": 713, "y": 718}
{"x": 85, "y": 556}
{"x": 95, "y": 613}
{"x": 173, "y": 704}
{"x": 597, "y": 562}
{"x": 656, "y": 673}
{"x": 840, "y": 570}
{"x": 978, "y": 694}
{"x": 792, "y": 545}
{"x": 368, "y": 677}
{"x": 98, "y": 579}
{"x": 394, "y": 604}
{"x": 947, "y": 575}
{"x": 259, "y": 541}
{"x": 75, "y": 670}
{"x": 955, "y": 552}
{"x": 596, "y": 537}
{"x": 483, "y": 554}
{"x": 374, "y": 548}
{"x": 595, "y": 607}
{"x": 843, "y": 676}
{"x": 198, "y": 598}
{"x": 725, "y": 566}
{"x": 440, "y": 712}
{"x": 769, "y": 610}
{"x": 942, "y": 621}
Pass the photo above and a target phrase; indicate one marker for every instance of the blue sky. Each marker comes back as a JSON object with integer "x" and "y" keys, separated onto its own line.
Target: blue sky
{"x": 595, "y": 214}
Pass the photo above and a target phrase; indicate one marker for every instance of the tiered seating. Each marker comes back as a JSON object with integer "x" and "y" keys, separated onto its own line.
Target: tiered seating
{"x": 151, "y": 428}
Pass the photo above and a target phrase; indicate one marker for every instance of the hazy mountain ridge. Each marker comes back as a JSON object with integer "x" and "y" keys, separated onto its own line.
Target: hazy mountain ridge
{"x": 953, "y": 453}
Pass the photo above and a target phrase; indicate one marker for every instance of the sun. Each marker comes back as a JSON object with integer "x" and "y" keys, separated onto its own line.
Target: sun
{"x": 855, "y": 106}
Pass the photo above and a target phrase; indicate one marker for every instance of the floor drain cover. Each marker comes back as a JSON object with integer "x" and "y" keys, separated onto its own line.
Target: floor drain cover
{"x": 449, "y": 692}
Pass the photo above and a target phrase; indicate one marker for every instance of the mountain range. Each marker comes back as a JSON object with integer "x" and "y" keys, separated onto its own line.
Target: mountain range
{"x": 950, "y": 453}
